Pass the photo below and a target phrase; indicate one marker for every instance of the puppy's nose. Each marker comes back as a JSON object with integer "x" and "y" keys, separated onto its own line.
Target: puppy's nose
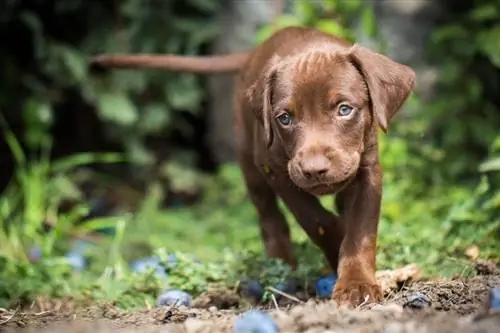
{"x": 315, "y": 166}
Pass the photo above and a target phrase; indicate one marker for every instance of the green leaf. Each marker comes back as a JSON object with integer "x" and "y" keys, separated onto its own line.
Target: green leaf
{"x": 492, "y": 164}
{"x": 35, "y": 24}
{"x": 65, "y": 164}
{"x": 282, "y": 21}
{"x": 204, "y": 5}
{"x": 12, "y": 141}
{"x": 489, "y": 43}
{"x": 331, "y": 27}
{"x": 117, "y": 108}
{"x": 98, "y": 223}
{"x": 449, "y": 32}
{"x": 75, "y": 63}
{"x": 369, "y": 22}
{"x": 184, "y": 93}
{"x": 486, "y": 12}
{"x": 155, "y": 117}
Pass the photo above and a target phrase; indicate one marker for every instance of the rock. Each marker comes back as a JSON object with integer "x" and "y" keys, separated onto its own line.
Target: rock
{"x": 252, "y": 289}
{"x": 75, "y": 256}
{"x": 255, "y": 321}
{"x": 35, "y": 253}
{"x": 417, "y": 300}
{"x": 145, "y": 264}
{"x": 174, "y": 297}
{"x": 288, "y": 287}
{"x": 494, "y": 300}
{"x": 76, "y": 260}
{"x": 325, "y": 284}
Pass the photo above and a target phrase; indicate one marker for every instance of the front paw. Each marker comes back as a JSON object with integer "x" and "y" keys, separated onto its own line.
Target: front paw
{"x": 355, "y": 294}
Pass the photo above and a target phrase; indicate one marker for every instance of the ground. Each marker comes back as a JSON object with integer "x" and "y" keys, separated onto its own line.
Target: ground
{"x": 449, "y": 233}
{"x": 456, "y": 305}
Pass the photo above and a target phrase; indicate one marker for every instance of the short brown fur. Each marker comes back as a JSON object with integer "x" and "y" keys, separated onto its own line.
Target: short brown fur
{"x": 313, "y": 80}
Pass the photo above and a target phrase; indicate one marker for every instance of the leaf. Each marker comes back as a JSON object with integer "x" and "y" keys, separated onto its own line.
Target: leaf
{"x": 304, "y": 10}
{"x": 282, "y": 21}
{"x": 449, "y": 32}
{"x": 331, "y": 27}
{"x": 74, "y": 62}
{"x": 65, "y": 164}
{"x": 117, "y": 108}
{"x": 155, "y": 117}
{"x": 13, "y": 143}
{"x": 98, "y": 223}
{"x": 204, "y": 5}
{"x": 369, "y": 22}
{"x": 184, "y": 93}
{"x": 485, "y": 12}
{"x": 35, "y": 24}
{"x": 492, "y": 164}
{"x": 489, "y": 43}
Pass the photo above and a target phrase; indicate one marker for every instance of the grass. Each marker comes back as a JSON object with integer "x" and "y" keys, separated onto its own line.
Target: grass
{"x": 216, "y": 241}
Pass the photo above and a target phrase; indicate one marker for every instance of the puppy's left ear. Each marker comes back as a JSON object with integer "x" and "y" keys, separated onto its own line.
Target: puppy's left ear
{"x": 389, "y": 83}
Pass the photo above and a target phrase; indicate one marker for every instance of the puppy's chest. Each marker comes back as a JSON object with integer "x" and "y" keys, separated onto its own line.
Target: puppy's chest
{"x": 272, "y": 163}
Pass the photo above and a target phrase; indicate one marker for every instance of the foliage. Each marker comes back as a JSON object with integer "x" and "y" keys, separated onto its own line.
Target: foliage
{"x": 430, "y": 214}
{"x": 47, "y": 73}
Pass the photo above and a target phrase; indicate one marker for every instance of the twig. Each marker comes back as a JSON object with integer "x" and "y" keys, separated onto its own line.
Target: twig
{"x": 365, "y": 301}
{"x": 275, "y": 302}
{"x": 293, "y": 298}
{"x": 9, "y": 318}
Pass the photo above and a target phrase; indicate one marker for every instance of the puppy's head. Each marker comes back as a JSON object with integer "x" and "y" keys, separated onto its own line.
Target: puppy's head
{"x": 323, "y": 107}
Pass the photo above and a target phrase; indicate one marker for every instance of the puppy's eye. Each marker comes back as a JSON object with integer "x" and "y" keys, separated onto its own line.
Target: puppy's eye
{"x": 285, "y": 119}
{"x": 345, "y": 110}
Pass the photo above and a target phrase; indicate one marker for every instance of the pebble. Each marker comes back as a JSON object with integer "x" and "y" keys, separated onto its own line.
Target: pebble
{"x": 255, "y": 321}
{"x": 252, "y": 289}
{"x": 288, "y": 287}
{"x": 417, "y": 300}
{"x": 145, "y": 264}
{"x": 75, "y": 256}
{"x": 76, "y": 260}
{"x": 324, "y": 285}
{"x": 174, "y": 297}
{"x": 35, "y": 253}
{"x": 494, "y": 299}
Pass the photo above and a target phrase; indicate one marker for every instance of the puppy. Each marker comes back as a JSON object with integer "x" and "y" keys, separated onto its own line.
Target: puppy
{"x": 308, "y": 106}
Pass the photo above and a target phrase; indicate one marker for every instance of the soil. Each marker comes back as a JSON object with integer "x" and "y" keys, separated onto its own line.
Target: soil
{"x": 456, "y": 305}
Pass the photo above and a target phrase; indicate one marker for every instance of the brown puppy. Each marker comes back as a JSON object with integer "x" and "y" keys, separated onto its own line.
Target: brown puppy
{"x": 308, "y": 105}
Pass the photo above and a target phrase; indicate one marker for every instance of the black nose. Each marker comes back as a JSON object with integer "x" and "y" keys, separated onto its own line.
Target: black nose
{"x": 315, "y": 166}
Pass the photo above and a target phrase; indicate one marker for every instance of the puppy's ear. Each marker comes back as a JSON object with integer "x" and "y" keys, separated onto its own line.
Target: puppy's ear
{"x": 389, "y": 83}
{"x": 267, "y": 103}
{"x": 260, "y": 96}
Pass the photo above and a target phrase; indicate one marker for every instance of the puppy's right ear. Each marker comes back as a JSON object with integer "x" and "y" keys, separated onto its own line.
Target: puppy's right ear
{"x": 260, "y": 96}
{"x": 267, "y": 105}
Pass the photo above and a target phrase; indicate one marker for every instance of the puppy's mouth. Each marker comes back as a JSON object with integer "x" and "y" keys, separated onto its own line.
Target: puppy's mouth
{"x": 325, "y": 189}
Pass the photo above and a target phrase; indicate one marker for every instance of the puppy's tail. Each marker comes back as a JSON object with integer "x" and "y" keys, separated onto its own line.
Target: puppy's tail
{"x": 229, "y": 63}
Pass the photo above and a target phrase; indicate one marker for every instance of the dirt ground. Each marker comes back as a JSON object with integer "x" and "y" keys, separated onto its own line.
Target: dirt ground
{"x": 456, "y": 305}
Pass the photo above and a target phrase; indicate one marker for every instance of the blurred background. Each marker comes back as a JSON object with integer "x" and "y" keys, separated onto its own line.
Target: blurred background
{"x": 133, "y": 161}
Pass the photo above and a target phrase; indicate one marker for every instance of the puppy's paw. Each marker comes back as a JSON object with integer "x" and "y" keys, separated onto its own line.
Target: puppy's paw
{"x": 355, "y": 294}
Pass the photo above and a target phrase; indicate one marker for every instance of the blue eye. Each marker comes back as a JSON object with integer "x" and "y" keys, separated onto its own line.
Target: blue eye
{"x": 285, "y": 119}
{"x": 345, "y": 110}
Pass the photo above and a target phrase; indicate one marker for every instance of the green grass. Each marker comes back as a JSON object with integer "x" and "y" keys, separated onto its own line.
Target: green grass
{"x": 217, "y": 241}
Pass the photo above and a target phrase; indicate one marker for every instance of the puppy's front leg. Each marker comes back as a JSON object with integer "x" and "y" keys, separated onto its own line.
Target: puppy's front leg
{"x": 323, "y": 227}
{"x": 360, "y": 214}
